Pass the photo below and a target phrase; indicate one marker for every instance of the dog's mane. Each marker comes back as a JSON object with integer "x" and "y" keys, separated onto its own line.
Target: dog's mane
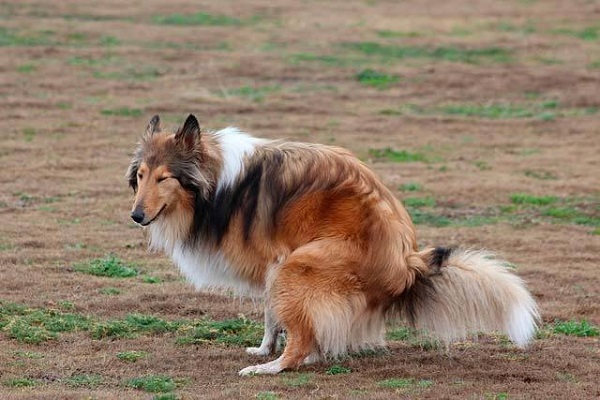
{"x": 273, "y": 176}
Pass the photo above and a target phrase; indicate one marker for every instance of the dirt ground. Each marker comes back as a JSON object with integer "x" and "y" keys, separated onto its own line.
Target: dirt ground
{"x": 497, "y": 99}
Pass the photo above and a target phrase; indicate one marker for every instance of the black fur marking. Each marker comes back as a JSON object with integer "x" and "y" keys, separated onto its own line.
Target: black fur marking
{"x": 422, "y": 292}
{"x": 411, "y": 300}
{"x": 202, "y": 213}
{"x": 438, "y": 259}
{"x": 274, "y": 185}
{"x": 131, "y": 174}
{"x": 242, "y": 197}
{"x": 132, "y": 178}
{"x": 212, "y": 215}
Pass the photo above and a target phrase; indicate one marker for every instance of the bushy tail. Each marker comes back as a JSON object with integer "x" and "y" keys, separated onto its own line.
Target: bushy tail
{"x": 469, "y": 292}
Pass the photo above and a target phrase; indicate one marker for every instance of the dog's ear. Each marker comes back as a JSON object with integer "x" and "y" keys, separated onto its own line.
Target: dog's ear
{"x": 153, "y": 126}
{"x": 189, "y": 134}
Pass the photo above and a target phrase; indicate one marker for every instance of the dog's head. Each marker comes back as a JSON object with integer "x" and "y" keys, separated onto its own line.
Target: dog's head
{"x": 166, "y": 171}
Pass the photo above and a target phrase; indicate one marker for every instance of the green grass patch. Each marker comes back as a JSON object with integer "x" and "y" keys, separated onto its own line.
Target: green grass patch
{"x": 460, "y": 31}
{"x": 217, "y": 46}
{"x": 329, "y": 60}
{"x": 29, "y": 134}
{"x": 404, "y": 109}
{"x": 132, "y": 325}
{"x": 541, "y": 175}
{"x": 529, "y": 151}
{"x": 590, "y": 33}
{"x": 337, "y": 370}
{"x": 110, "y": 291}
{"x": 35, "y": 326}
{"x": 522, "y": 29}
{"x": 543, "y": 111}
{"x": 298, "y": 380}
{"x": 137, "y": 73}
{"x": 411, "y": 187}
{"x": 66, "y": 305}
{"x": 166, "y": 396}
{"x": 496, "y": 396}
{"x": 123, "y": 112}
{"x": 111, "y": 66}
{"x": 28, "y": 354}
{"x": 197, "y": 19}
{"x": 28, "y": 325}
{"x": 400, "y": 334}
{"x": 418, "y": 202}
{"x": 376, "y": 79}
{"x": 576, "y": 328}
{"x": 110, "y": 41}
{"x": 412, "y": 337}
{"x": 527, "y": 199}
{"x": 489, "y": 111}
{"x": 84, "y": 381}
{"x": 237, "y": 332}
{"x": 267, "y": 396}
{"x": 14, "y": 38}
{"x": 399, "y": 156}
{"x": 566, "y": 377}
{"x": 388, "y": 53}
{"x": 77, "y": 37}
{"x": 109, "y": 266}
{"x": 95, "y": 17}
{"x": 578, "y": 211}
{"x": 151, "y": 279}
{"x": 482, "y": 165}
{"x": 473, "y": 221}
{"x": 153, "y": 383}
{"x": 405, "y": 383}
{"x": 388, "y": 34}
{"x": 94, "y": 62}
{"x": 420, "y": 217}
{"x": 254, "y": 93}
{"x": 561, "y": 212}
{"x": 26, "y": 68}
{"x": 131, "y": 356}
{"x": 20, "y": 382}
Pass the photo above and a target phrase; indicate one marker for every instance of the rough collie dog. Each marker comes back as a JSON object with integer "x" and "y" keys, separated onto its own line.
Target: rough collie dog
{"x": 312, "y": 229}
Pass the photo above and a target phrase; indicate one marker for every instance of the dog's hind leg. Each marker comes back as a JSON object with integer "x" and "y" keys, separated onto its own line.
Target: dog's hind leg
{"x": 316, "y": 300}
{"x": 300, "y": 336}
{"x": 269, "y": 341}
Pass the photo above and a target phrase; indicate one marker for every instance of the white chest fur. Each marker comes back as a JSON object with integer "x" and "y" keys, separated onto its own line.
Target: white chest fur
{"x": 204, "y": 268}
{"x": 208, "y": 269}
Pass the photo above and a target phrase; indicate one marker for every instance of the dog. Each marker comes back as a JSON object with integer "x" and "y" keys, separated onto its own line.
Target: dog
{"x": 312, "y": 229}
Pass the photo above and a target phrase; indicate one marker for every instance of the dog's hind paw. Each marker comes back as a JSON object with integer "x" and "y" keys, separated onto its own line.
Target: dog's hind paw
{"x": 258, "y": 351}
{"x": 272, "y": 367}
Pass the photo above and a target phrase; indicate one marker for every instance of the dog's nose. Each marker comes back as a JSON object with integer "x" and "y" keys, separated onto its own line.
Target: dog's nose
{"x": 137, "y": 216}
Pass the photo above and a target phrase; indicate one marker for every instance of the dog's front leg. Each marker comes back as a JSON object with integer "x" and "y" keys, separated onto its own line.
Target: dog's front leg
{"x": 269, "y": 341}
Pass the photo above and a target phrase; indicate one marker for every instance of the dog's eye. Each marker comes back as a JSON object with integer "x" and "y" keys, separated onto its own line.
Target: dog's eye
{"x": 140, "y": 176}
{"x": 162, "y": 178}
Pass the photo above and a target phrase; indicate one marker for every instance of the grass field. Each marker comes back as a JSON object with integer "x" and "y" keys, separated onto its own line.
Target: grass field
{"x": 484, "y": 119}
